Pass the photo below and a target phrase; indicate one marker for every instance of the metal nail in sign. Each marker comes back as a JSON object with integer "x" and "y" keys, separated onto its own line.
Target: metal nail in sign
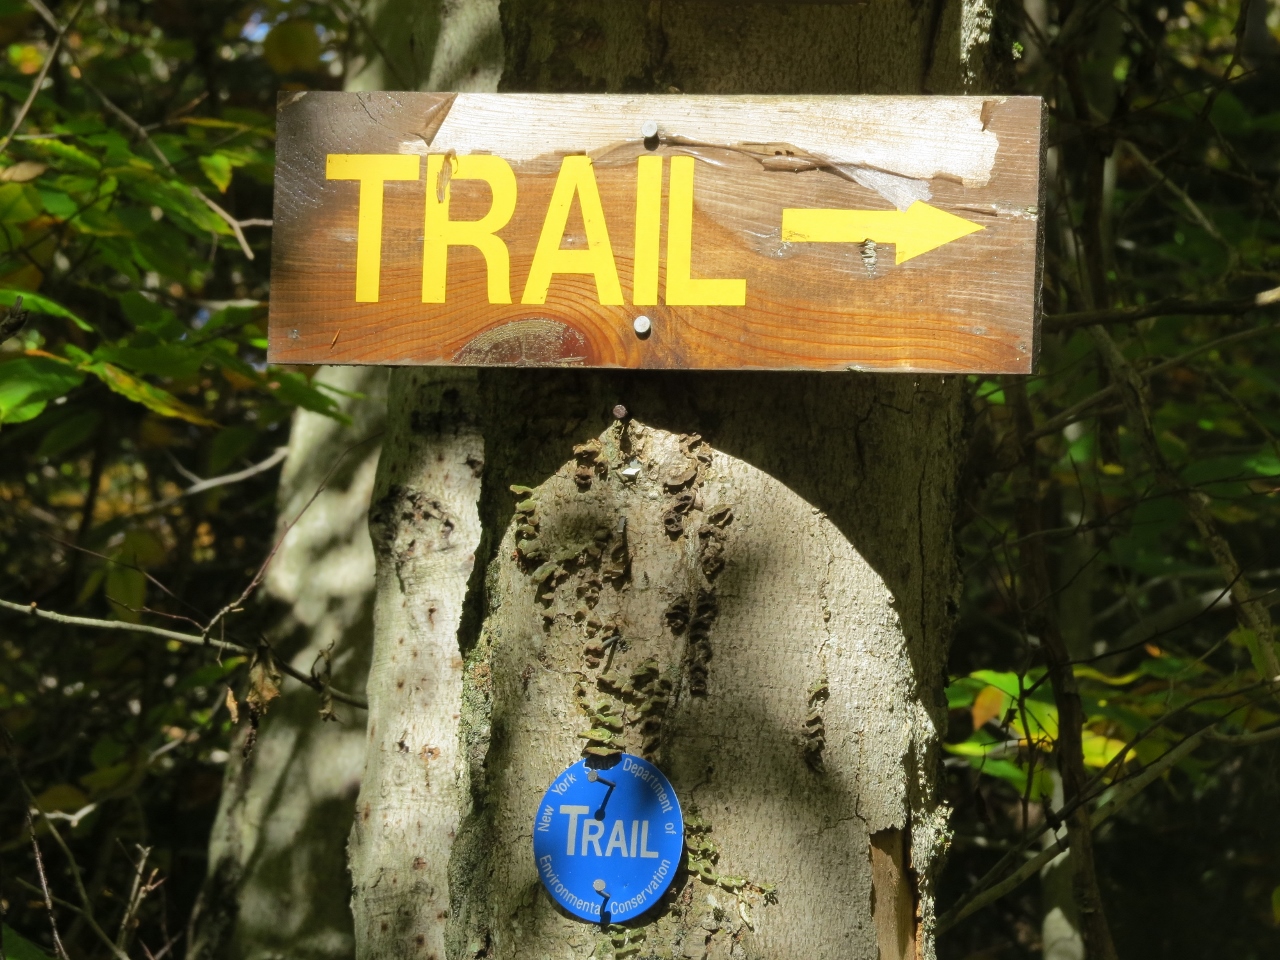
{"x": 607, "y": 841}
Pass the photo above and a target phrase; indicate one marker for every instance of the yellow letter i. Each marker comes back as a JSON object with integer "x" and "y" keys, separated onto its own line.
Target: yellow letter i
{"x": 648, "y": 230}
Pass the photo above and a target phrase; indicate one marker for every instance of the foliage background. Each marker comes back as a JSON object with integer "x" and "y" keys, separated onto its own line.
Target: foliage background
{"x": 141, "y": 370}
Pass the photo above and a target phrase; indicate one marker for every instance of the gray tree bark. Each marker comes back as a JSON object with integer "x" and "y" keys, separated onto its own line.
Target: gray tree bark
{"x": 777, "y": 546}
{"x": 278, "y": 882}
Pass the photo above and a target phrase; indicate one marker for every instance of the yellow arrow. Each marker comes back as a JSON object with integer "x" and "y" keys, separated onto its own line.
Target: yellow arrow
{"x": 916, "y": 230}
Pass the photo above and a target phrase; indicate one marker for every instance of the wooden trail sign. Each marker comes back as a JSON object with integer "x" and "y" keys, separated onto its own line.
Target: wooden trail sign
{"x": 684, "y": 232}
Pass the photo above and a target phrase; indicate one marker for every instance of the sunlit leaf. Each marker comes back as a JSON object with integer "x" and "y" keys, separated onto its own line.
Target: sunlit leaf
{"x": 150, "y": 396}
{"x": 35, "y": 303}
{"x": 28, "y": 383}
{"x": 22, "y": 171}
{"x": 19, "y": 202}
{"x": 990, "y": 704}
{"x": 1099, "y": 750}
{"x": 217, "y": 168}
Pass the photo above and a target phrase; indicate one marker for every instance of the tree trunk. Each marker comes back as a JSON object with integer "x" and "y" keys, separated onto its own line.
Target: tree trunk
{"x": 780, "y": 545}
{"x": 278, "y": 882}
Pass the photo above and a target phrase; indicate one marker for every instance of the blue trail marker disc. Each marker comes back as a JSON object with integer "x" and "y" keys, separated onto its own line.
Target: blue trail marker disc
{"x": 608, "y": 841}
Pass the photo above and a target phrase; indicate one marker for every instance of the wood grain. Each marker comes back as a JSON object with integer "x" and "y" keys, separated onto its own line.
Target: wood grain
{"x": 970, "y": 305}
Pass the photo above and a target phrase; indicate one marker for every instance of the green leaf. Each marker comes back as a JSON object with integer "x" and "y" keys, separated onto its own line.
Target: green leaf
{"x": 107, "y": 752}
{"x": 228, "y": 446}
{"x": 292, "y": 46}
{"x": 1004, "y": 682}
{"x": 28, "y": 383}
{"x": 69, "y": 156}
{"x": 163, "y": 360}
{"x": 217, "y": 168}
{"x": 38, "y": 304}
{"x": 19, "y": 202}
{"x": 69, "y": 434}
{"x": 146, "y": 314}
{"x": 18, "y": 947}
{"x": 58, "y": 203}
{"x": 961, "y": 692}
{"x": 150, "y": 396}
{"x": 210, "y": 674}
{"x": 294, "y": 389}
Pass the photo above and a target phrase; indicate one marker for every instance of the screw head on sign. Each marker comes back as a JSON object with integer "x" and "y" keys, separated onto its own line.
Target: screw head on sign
{"x": 598, "y": 886}
{"x": 642, "y": 325}
{"x": 650, "y": 129}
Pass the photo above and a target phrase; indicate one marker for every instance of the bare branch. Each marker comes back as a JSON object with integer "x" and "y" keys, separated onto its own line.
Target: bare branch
{"x": 1074, "y": 412}
{"x": 139, "y": 892}
{"x": 201, "y": 486}
{"x": 86, "y": 905}
{"x": 257, "y": 577}
{"x": 1173, "y": 307}
{"x": 119, "y": 625}
{"x": 187, "y": 638}
{"x": 61, "y": 32}
{"x": 1124, "y": 791}
{"x": 44, "y": 888}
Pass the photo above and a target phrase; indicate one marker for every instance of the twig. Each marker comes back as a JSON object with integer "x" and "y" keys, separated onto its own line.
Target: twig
{"x": 60, "y": 32}
{"x": 34, "y": 611}
{"x": 1247, "y": 739}
{"x": 201, "y": 486}
{"x": 141, "y": 132}
{"x": 1192, "y": 207}
{"x": 230, "y": 221}
{"x": 187, "y": 638}
{"x": 1073, "y": 413}
{"x": 1252, "y": 615}
{"x": 44, "y": 887}
{"x": 1126, "y": 791}
{"x": 13, "y": 320}
{"x": 72, "y": 818}
{"x": 1172, "y": 307}
{"x": 229, "y": 478}
{"x": 257, "y": 577}
{"x": 86, "y": 904}
{"x": 371, "y": 35}
{"x": 137, "y": 893}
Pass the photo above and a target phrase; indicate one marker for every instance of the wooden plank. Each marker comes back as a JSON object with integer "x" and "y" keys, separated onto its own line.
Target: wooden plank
{"x": 827, "y": 233}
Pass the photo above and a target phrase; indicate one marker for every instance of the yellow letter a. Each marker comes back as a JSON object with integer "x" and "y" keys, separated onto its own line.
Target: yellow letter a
{"x": 372, "y": 170}
{"x": 576, "y": 176}
{"x": 441, "y": 233}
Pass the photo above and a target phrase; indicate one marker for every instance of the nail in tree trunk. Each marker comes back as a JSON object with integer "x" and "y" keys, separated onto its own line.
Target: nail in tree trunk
{"x": 778, "y": 547}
